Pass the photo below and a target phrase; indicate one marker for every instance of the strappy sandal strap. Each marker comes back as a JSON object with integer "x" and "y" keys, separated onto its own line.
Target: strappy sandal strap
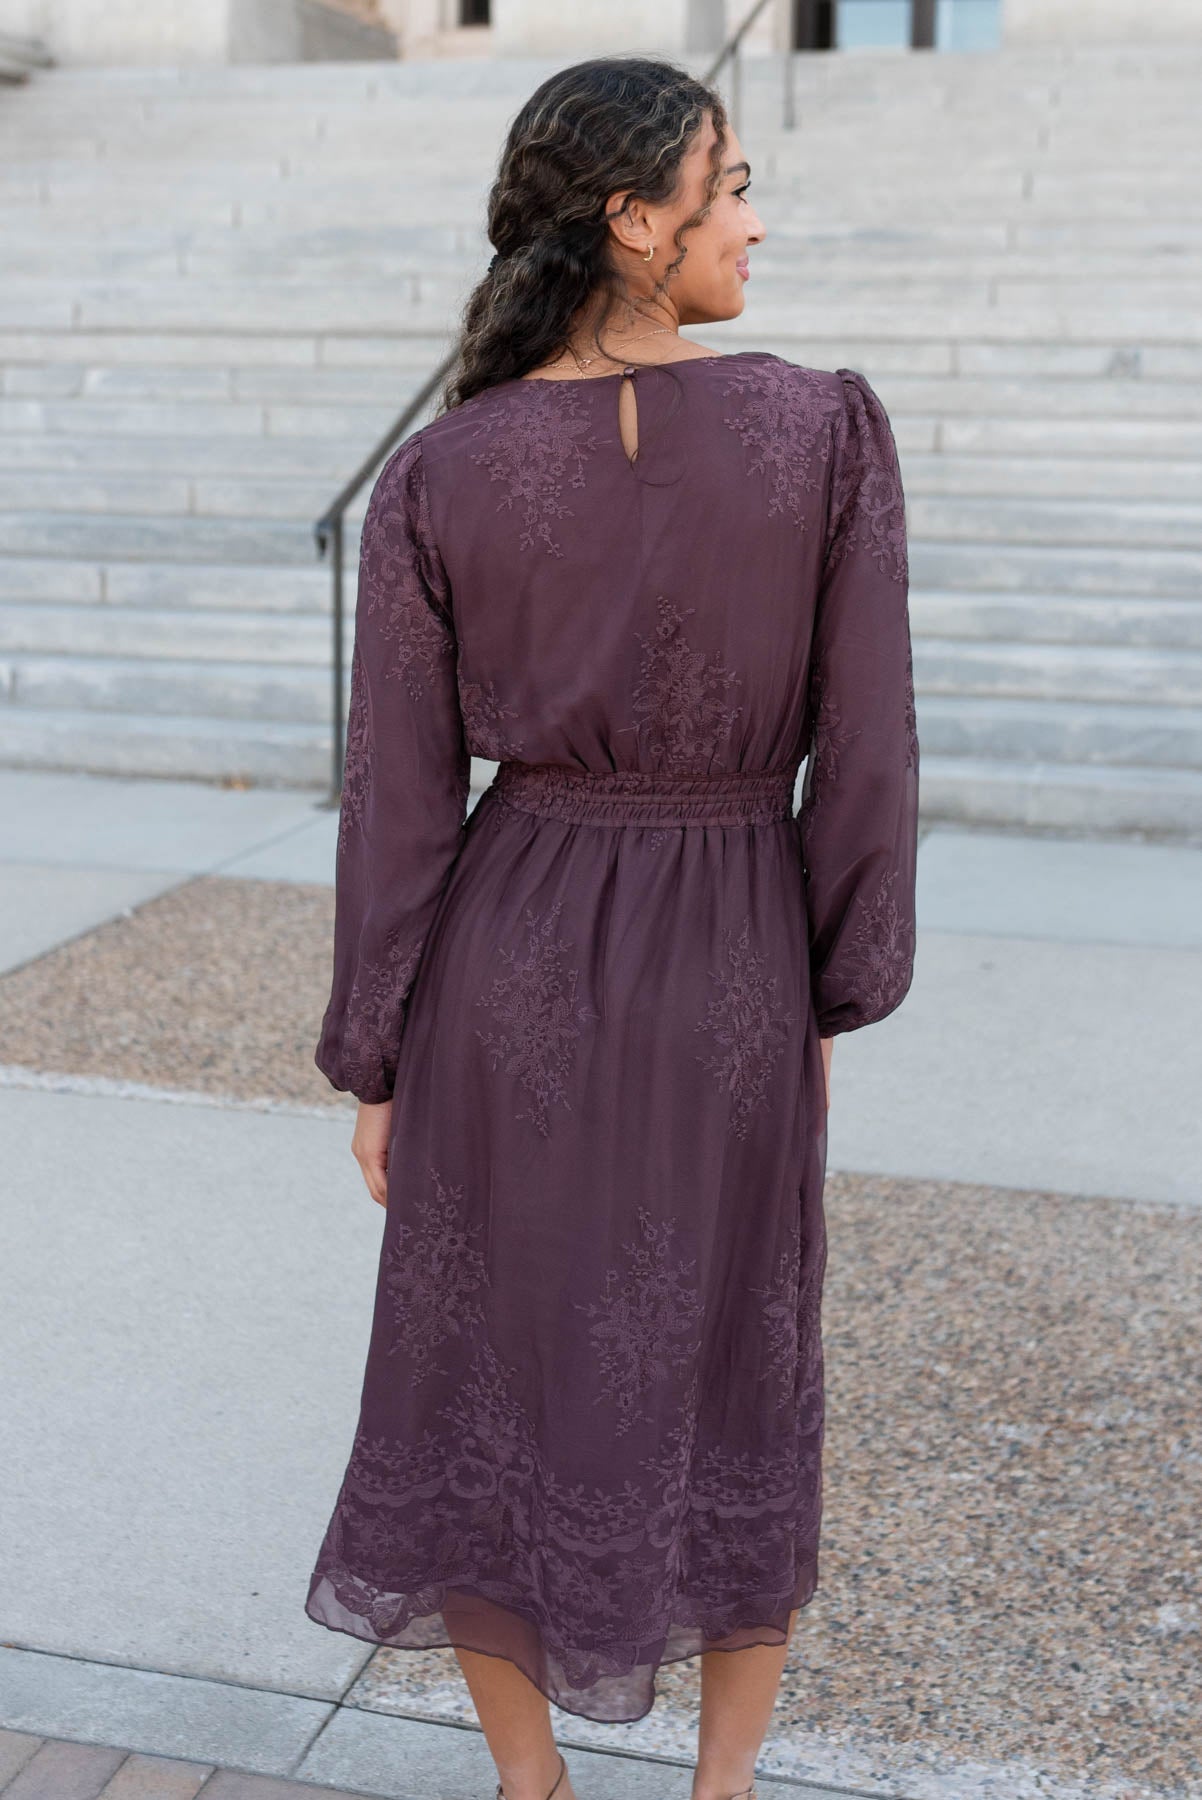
{"x": 563, "y": 1769}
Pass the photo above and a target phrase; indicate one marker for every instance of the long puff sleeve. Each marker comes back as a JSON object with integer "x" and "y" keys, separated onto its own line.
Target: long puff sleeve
{"x": 405, "y": 783}
{"x": 859, "y": 812}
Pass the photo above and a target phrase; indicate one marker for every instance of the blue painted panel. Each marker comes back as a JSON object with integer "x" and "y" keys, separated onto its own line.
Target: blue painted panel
{"x": 885, "y": 24}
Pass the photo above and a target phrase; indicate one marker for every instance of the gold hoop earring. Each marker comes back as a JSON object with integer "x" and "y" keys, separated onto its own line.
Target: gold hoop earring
{"x": 650, "y": 253}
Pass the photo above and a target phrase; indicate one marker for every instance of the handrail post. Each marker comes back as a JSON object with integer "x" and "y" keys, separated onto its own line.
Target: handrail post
{"x": 730, "y": 53}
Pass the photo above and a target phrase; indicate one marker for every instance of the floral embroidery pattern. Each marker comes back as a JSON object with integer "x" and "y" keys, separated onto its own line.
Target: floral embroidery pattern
{"x": 483, "y": 711}
{"x": 749, "y": 1026}
{"x": 531, "y": 450}
{"x": 791, "y": 1317}
{"x": 830, "y": 737}
{"x": 732, "y": 1492}
{"x": 809, "y": 1372}
{"x": 646, "y": 1308}
{"x": 780, "y": 1322}
{"x": 402, "y": 588}
{"x": 496, "y": 1454}
{"x": 432, "y": 1271}
{"x": 911, "y": 715}
{"x": 782, "y": 421}
{"x": 373, "y": 1018}
{"x": 882, "y": 952}
{"x": 419, "y": 1516}
{"x": 537, "y": 1006}
{"x": 867, "y": 505}
{"x": 680, "y": 699}
{"x": 401, "y": 580}
{"x": 379, "y": 1468}
{"x": 356, "y": 760}
{"x": 809, "y": 1314}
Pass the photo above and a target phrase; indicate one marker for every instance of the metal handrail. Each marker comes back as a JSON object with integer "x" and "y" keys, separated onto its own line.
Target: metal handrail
{"x": 329, "y": 531}
{"x": 20, "y": 56}
{"x": 732, "y": 53}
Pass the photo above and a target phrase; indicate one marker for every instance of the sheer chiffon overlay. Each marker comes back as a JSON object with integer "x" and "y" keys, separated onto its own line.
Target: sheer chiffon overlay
{"x": 591, "y": 1422}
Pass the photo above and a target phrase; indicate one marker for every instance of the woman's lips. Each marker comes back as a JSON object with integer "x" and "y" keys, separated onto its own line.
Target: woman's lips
{"x": 744, "y": 268}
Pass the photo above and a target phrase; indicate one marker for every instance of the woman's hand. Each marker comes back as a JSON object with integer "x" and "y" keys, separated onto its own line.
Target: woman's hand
{"x": 369, "y": 1147}
{"x": 828, "y": 1045}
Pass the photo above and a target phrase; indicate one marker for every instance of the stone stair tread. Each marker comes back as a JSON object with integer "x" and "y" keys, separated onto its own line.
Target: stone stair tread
{"x": 1134, "y": 714}
{"x": 203, "y": 458}
{"x": 1063, "y": 796}
{"x": 1081, "y": 569}
{"x": 215, "y": 586}
{"x": 1024, "y": 730}
{"x": 163, "y": 724}
{"x": 1062, "y": 523}
{"x": 1133, "y": 778}
{"x": 158, "y": 537}
{"x": 976, "y": 674}
{"x": 243, "y": 688}
{"x": 273, "y": 752}
{"x": 1112, "y": 621}
{"x": 153, "y": 634}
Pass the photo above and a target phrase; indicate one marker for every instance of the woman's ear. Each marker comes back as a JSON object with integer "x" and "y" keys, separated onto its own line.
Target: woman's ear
{"x": 629, "y": 224}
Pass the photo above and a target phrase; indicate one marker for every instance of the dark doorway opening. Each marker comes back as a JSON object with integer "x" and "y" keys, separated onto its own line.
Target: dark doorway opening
{"x": 474, "y": 12}
{"x": 922, "y": 24}
{"x": 814, "y": 24}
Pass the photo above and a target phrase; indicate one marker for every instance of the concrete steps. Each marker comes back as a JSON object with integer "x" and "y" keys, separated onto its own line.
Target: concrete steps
{"x": 130, "y": 537}
{"x": 155, "y": 634}
{"x": 209, "y": 315}
{"x": 248, "y": 751}
{"x": 1025, "y": 621}
{"x": 1049, "y": 729}
{"x": 290, "y": 692}
{"x": 181, "y": 585}
{"x": 1077, "y": 569}
{"x": 989, "y": 790}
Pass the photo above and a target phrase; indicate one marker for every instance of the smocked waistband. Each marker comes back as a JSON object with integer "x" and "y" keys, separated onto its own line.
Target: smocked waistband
{"x": 646, "y": 796}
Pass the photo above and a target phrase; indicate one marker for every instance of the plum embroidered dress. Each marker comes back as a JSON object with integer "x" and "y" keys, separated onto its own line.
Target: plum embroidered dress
{"x": 591, "y": 1424}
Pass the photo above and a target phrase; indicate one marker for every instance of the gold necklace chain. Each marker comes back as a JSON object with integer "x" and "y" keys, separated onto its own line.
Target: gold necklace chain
{"x": 582, "y": 363}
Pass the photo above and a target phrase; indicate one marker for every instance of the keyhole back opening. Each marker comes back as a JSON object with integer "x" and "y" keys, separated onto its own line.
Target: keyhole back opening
{"x": 628, "y": 415}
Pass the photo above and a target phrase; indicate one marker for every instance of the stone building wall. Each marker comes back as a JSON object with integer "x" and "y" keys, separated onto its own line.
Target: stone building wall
{"x": 200, "y": 31}
{"x": 1101, "y": 21}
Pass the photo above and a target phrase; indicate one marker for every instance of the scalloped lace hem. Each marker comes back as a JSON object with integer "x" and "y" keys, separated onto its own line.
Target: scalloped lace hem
{"x": 614, "y": 1685}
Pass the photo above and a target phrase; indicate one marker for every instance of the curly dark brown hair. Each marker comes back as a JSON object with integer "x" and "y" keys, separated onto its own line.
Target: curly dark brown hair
{"x": 611, "y": 123}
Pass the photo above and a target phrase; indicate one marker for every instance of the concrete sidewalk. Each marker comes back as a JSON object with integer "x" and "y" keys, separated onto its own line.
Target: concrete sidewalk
{"x": 184, "y": 1305}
